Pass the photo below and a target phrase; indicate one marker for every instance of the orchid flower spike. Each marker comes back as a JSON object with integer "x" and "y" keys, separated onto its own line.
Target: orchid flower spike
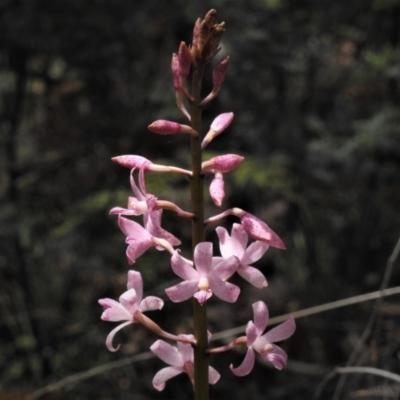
{"x": 180, "y": 359}
{"x": 205, "y": 280}
{"x": 219, "y": 124}
{"x": 264, "y": 344}
{"x": 236, "y": 245}
{"x": 129, "y": 307}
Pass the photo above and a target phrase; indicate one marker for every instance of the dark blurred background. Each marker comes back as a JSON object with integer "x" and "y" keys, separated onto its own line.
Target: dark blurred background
{"x": 314, "y": 86}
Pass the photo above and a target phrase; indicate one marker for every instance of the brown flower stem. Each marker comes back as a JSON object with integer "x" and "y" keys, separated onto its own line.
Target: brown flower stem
{"x": 197, "y": 198}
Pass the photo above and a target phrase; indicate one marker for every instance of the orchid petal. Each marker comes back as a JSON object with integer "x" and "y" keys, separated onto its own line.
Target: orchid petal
{"x": 132, "y": 229}
{"x": 251, "y": 333}
{"x": 182, "y": 268}
{"x": 227, "y": 267}
{"x": 224, "y": 242}
{"x": 276, "y": 356}
{"x": 203, "y": 257}
{"x": 135, "y": 282}
{"x": 129, "y": 300}
{"x": 239, "y": 239}
{"x": 163, "y": 375}
{"x": 261, "y": 316}
{"x": 114, "y": 311}
{"x": 122, "y": 211}
{"x": 182, "y": 291}
{"x": 140, "y": 194}
{"x": 247, "y": 365}
{"x": 254, "y": 252}
{"x": 186, "y": 349}
{"x": 253, "y": 276}
{"x": 111, "y": 335}
{"x": 282, "y": 331}
{"x": 202, "y": 296}
{"x": 137, "y": 248}
{"x": 224, "y": 290}
{"x": 169, "y": 354}
{"x": 151, "y": 303}
{"x": 213, "y": 376}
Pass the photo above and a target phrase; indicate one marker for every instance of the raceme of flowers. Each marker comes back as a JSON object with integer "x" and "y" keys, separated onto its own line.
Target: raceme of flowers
{"x": 207, "y": 274}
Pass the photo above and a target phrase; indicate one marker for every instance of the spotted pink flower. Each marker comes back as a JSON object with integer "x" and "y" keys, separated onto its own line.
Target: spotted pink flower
{"x": 236, "y": 245}
{"x": 180, "y": 359}
{"x": 203, "y": 280}
{"x": 264, "y": 344}
{"x": 129, "y": 307}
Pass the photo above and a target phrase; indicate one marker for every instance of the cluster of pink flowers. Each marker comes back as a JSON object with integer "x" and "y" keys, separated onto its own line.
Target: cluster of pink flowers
{"x": 207, "y": 274}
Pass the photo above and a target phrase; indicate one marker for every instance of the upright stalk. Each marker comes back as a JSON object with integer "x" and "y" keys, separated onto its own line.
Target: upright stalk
{"x": 197, "y": 198}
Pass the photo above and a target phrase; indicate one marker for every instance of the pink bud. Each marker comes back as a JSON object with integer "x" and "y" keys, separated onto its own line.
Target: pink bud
{"x": 131, "y": 161}
{"x": 224, "y": 163}
{"x": 258, "y": 229}
{"x": 217, "y": 191}
{"x": 219, "y": 72}
{"x": 175, "y": 70}
{"x": 221, "y": 122}
{"x": 163, "y": 127}
{"x": 184, "y": 60}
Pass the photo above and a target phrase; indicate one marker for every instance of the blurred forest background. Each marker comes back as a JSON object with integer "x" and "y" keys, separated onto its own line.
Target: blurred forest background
{"x": 314, "y": 86}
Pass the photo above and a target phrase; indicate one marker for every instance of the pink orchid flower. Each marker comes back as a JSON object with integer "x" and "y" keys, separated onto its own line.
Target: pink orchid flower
{"x": 144, "y": 204}
{"x": 264, "y": 344}
{"x": 206, "y": 279}
{"x": 236, "y": 245}
{"x": 181, "y": 359}
{"x": 129, "y": 307}
{"x": 139, "y": 239}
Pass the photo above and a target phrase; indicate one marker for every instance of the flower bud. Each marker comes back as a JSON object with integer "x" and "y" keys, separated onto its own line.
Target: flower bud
{"x": 163, "y": 127}
{"x": 175, "y": 71}
{"x": 258, "y": 229}
{"x": 217, "y": 191}
{"x": 219, "y": 124}
{"x": 224, "y": 163}
{"x": 219, "y": 72}
{"x": 184, "y": 60}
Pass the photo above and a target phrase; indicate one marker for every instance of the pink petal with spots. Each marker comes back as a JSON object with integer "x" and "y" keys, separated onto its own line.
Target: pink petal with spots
{"x": 253, "y": 276}
{"x": 182, "y": 268}
{"x": 203, "y": 257}
{"x": 182, "y": 291}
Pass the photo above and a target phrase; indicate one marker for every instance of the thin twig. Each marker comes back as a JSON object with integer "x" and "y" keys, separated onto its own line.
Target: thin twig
{"x": 355, "y": 370}
{"x": 371, "y": 321}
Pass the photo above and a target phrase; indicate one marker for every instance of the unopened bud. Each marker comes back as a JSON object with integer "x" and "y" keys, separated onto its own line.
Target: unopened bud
{"x": 217, "y": 189}
{"x": 258, "y": 229}
{"x": 219, "y": 72}
{"x": 184, "y": 60}
{"x": 219, "y": 124}
{"x": 164, "y": 127}
{"x": 175, "y": 71}
{"x": 224, "y": 163}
